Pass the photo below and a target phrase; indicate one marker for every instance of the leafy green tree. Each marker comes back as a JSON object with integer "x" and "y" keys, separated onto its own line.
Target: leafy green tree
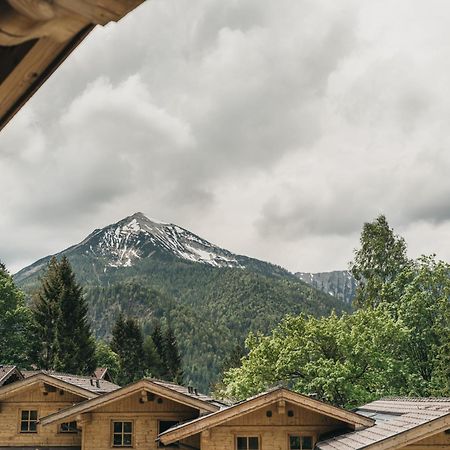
{"x": 105, "y": 357}
{"x": 379, "y": 261}
{"x": 15, "y": 322}
{"x": 422, "y": 291}
{"x": 128, "y": 343}
{"x": 345, "y": 360}
{"x": 45, "y": 310}
{"x": 74, "y": 345}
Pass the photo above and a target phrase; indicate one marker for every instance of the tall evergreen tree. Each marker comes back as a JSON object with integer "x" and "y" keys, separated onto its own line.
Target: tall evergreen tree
{"x": 45, "y": 314}
{"x": 172, "y": 356}
{"x": 74, "y": 343}
{"x": 62, "y": 334}
{"x": 15, "y": 322}
{"x": 128, "y": 343}
{"x": 154, "y": 367}
{"x": 157, "y": 338}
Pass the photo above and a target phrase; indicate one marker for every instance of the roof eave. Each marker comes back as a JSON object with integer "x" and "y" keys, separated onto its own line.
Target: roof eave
{"x": 198, "y": 425}
{"x": 123, "y": 392}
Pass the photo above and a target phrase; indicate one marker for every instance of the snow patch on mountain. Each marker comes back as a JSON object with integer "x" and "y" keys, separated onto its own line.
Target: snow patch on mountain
{"x": 137, "y": 237}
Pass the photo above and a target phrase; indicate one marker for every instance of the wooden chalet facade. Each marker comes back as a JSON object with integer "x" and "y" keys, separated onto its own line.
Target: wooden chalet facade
{"x": 51, "y": 411}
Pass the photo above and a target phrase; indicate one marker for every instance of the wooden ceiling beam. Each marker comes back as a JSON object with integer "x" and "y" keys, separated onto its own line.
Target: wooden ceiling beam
{"x": 36, "y": 36}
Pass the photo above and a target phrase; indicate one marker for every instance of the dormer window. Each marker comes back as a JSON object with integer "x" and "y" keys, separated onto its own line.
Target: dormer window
{"x": 28, "y": 421}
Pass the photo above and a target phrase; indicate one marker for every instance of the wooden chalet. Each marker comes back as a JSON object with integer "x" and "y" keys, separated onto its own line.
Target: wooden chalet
{"x": 27, "y": 396}
{"x": 53, "y": 411}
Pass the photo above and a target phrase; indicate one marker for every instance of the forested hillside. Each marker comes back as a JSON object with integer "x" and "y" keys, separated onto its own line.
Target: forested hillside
{"x": 211, "y": 306}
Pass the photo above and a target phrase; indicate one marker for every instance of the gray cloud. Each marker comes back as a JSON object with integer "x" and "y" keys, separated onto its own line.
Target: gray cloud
{"x": 272, "y": 128}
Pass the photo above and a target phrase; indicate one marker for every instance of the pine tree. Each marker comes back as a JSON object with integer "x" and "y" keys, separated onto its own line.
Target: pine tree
{"x": 45, "y": 310}
{"x": 172, "y": 356}
{"x": 128, "y": 343}
{"x": 74, "y": 344}
{"x": 62, "y": 335}
{"x": 152, "y": 360}
{"x": 158, "y": 340}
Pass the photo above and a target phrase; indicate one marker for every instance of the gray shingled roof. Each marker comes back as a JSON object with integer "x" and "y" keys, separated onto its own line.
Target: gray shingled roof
{"x": 191, "y": 392}
{"x": 88, "y": 383}
{"x": 392, "y": 416}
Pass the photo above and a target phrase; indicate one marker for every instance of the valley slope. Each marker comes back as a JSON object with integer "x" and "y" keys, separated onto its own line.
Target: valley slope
{"x": 211, "y": 297}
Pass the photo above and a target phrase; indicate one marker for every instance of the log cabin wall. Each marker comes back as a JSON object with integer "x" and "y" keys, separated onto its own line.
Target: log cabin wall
{"x": 272, "y": 425}
{"x": 35, "y": 399}
{"x": 145, "y": 418}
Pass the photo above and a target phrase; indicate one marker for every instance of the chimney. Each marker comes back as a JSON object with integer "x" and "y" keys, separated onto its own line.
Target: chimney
{"x": 97, "y": 383}
{"x": 190, "y": 389}
{"x": 92, "y": 382}
{"x": 195, "y": 391}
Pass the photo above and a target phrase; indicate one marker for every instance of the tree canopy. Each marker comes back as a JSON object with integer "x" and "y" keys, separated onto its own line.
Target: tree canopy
{"x": 396, "y": 343}
{"x": 15, "y": 322}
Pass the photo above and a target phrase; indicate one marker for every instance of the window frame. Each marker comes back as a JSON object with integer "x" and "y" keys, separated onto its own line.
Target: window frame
{"x": 122, "y": 421}
{"x": 28, "y": 421}
{"x": 301, "y": 435}
{"x": 73, "y": 431}
{"x": 173, "y": 444}
{"x": 251, "y": 435}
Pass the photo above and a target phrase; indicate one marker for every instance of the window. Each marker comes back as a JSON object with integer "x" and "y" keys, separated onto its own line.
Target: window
{"x": 247, "y": 443}
{"x": 28, "y": 421}
{"x": 164, "y": 425}
{"x": 300, "y": 442}
{"x": 122, "y": 434}
{"x": 68, "y": 427}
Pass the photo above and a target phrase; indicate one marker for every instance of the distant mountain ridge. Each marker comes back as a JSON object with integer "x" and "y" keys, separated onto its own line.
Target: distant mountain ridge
{"x": 340, "y": 283}
{"x": 213, "y": 298}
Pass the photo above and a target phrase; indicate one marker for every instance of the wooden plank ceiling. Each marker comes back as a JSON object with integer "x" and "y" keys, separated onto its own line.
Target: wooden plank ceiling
{"x": 36, "y": 36}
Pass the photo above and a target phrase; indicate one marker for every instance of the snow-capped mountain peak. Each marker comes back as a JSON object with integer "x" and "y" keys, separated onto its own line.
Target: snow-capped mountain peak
{"x": 137, "y": 236}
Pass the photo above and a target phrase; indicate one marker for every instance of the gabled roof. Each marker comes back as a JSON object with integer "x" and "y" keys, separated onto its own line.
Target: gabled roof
{"x": 9, "y": 374}
{"x": 90, "y": 384}
{"x": 170, "y": 391}
{"x": 67, "y": 383}
{"x": 247, "y": 406}
{"x": 399, "y": 422}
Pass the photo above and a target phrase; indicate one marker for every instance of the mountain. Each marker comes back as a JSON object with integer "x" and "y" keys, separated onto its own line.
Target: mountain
{"x": 212, "y": 297}
{"x": 339, "y": 283}
{"x": 135, "y": 238}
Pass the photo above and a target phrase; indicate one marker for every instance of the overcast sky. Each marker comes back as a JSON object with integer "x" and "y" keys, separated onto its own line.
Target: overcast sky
{"x": 273, "y": 128}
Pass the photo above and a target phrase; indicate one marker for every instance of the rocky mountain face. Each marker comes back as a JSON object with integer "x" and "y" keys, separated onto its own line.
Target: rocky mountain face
{"x": 213, "y": 298}
{"x": 339, "y": 283}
